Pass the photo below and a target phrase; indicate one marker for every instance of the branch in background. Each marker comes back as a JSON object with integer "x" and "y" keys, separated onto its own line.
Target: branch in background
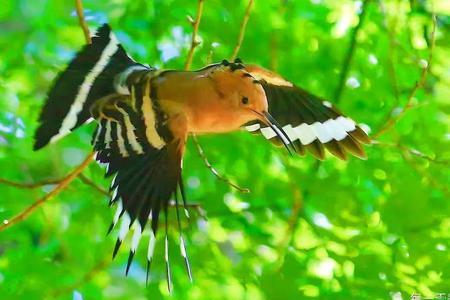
{"x": 98, "y": 267}
{"x": 63, "y": 183}
{"x": 296, "y": 210}
{"x": 297, "y": 206}
{"x": 292, "y": 222}
{"x": 211, "y": 168}
{"x": 413, "y": 152}
{"x": 346, "y": 66}
{"x": 59, "y": 188}
{"x": 194, "y": 42}
{"x": 419, "y": 84}
{"x": 407, "y": 157}
{"x": 349, "y": 56}
{"x": 82, "y": 21}
{"x": 242, "y": 30}
{"x": 35, "y": 185}
{"x": 391, "y": 53}
{"x": 105, "y": 192}
{"x": 92, "y": 184}
{"x": 32, "y": 185}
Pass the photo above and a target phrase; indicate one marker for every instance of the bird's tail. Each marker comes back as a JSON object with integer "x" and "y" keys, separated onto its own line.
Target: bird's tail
{"x": 91, "y": 75}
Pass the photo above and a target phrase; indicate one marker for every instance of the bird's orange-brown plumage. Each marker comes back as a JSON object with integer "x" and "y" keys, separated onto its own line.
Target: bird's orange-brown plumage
{"x": 144, "y": 117}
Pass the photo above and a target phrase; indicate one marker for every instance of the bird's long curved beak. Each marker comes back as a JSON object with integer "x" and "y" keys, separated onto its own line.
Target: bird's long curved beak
{"x": 270, "y": 121}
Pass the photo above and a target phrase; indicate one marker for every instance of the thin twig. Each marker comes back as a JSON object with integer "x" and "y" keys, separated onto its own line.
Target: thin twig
{"x": 407, "y": 157}
{"x": 98, "y": 267}
{"x": 211, "y": 168}
{"x": 82, "y": 21}
{"x": 349, "y": 56}
{"x": 419, "y": 84}
{"x": 101, "y": 190}
{"x": 92, "y": 184}
{"x": 31, "y": 185}
{"x": 413, "y": 152}
{"x": 391, "y": 53}
{"x": 35, "y": 185}
{"x": 242, "y": 30}
{"x": 63, "y": 183}
{"x": 296, "y": 210}
{"x": 194, "y": 42}
{"x": 346, "y": 67}
{"x": 59, "y": 188}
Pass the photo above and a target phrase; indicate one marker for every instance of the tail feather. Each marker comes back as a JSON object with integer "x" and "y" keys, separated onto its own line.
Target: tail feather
{"x": 89, "y": 76}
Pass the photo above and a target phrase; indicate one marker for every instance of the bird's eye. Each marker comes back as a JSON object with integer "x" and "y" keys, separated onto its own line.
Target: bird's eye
{"x": 244, "y": 100}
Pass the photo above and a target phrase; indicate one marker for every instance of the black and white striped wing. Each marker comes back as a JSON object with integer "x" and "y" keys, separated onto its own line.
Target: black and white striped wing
{"x": 88, "y": 77}
{"x": 310, "y": 122}
{"x": 144, "y": 159}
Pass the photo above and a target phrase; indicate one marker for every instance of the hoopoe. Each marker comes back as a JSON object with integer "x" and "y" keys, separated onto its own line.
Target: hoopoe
{"x": 144, "y": 117}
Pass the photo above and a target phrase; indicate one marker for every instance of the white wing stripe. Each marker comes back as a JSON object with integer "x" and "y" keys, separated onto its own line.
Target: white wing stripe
{"x": 70, "y": 120}
{"x": 121, "y": 142}
{"x": 336, "y": 130}
{"x": 118, "y": 211}
{"x": 305, "y": 133}
{"x": 108, "y": 138}
{"x": 136, "y": 236}
{"x": 252, "y": 128}
{"x": 332, "y": 129}
{"x": 132, "y": 139}
{"x": 150, "y": 121}
{"x": 346, "y": 123}
{"x": 268, "y": 133}
{"x": 321, "y": 132}
{"x": 120, "y": 81}
{"x": 151, "y": 245}
{"x": 182, "y": 247}
{"x": 290, "y": 132}
{"x": 124, "y": 226}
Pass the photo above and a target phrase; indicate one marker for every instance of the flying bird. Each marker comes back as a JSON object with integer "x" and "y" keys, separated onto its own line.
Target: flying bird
{"x": 145, "y": 115}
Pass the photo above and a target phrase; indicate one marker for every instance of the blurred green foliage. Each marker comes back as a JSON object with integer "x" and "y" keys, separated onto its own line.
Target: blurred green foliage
{"x": 375, "y": 229}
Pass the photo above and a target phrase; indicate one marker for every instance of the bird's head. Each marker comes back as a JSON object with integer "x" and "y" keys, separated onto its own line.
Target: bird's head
{"x": 239, "y": 92}
{"x": 243, "y": 97}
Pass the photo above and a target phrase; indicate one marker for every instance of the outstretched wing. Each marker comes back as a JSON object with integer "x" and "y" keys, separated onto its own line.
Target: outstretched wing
{"x": 310, "y": 122}
{"x": 134, "y": 140}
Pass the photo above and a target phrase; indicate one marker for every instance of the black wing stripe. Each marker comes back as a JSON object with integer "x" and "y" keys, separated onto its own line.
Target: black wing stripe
{"x": 152, "y": 117}
{"x": 310, "y": 122}
{"x": 68, "y": 96}
{"x": 130, "y": 130}
{"x": 138, "y": 125}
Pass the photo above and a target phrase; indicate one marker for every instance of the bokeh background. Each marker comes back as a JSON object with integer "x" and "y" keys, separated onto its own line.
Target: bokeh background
{"x": 374, "y": 229}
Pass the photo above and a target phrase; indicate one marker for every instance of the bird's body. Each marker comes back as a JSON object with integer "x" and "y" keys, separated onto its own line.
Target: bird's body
{"x": 207, "y": 100}
{"x": 145, "y": 116}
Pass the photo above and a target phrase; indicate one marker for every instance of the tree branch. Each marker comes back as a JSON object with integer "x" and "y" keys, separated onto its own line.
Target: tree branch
{"x": 59, "y": 188}
{"x": 98, "y": 267}
{"x": 31, "y": 185}
{"x": 390, "y": 61}
{"x": 296, "y": 210}
{"x": 419, "y": 84}
{"x": 242, "y": 30}
{"x": 93, "y": 185}
{"x": 194, "y": 42}
{"x": 82, "y": 21}
{"x": 407, "y": 157}
{"x": 349, "y": 56}
{"x": 63, "y": 183}
{"x": 214, "y": 171}
{"x": 413, "y": 152}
